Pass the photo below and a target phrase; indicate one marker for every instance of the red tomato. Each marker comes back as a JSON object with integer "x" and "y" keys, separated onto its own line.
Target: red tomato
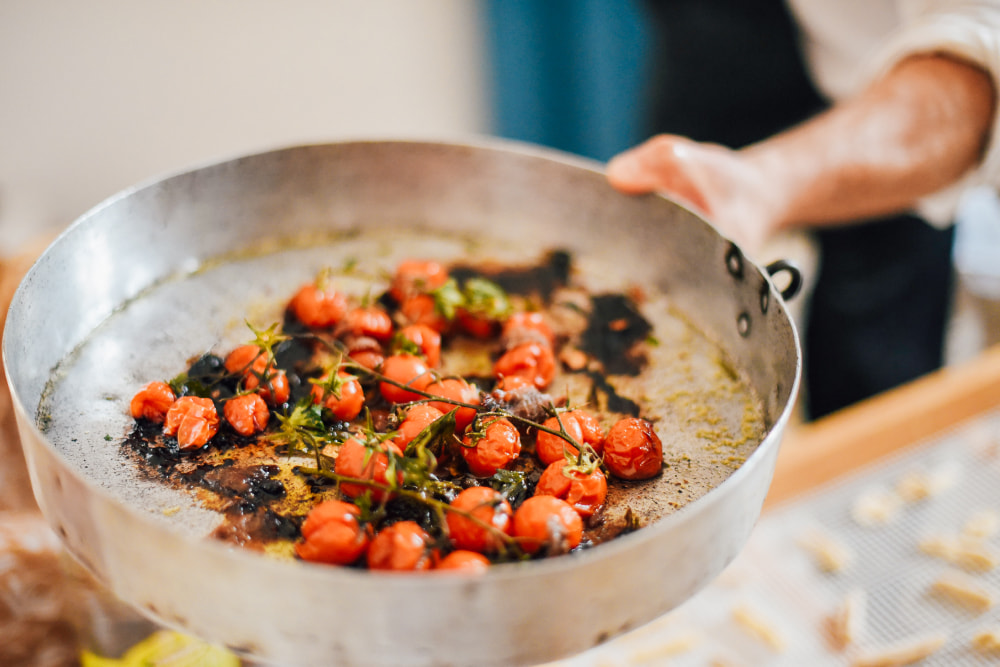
{"x": 534, "y": 361}
{"x": 247, "y": 413}
{"x": 416, "y": 276}
{"x": 427, "y": 339}
{"x": 356, "y": 461}
{"x": 407, "y": 369}
{"x": 315, "y": 307}
{"x": 351, "y": 400}
{"x": 421, "y": 309}
{"x": 401, "y": 546}
{"x": 457, "y": 389}
{"x": 275, "y": 390}
{"x": 333, "y": 534}
{"x": 193, "y": 420}
{"x": 246, "y": 359}
{"x": 526, "y": 326}
{"x": 578, "y": 424}
{"x": 632, "y": 450}
{"x": 584, "y": 492}
{"x": 498, "y": 445}
{"x": 487, "y": 507}
{"x": 546, "y": 522}
{"x": 475, "y": 325}
{"x": 418, "y": 417}
{"x": 152, "y": 402}
{"x": 368, "y": 321}
{"x": 467, "y": 561}
{"x": 514, "y": 382}
{"x": 370, "y": 359}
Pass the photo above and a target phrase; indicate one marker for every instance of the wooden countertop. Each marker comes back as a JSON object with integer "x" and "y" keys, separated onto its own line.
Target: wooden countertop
{"x": 818, "y": 452}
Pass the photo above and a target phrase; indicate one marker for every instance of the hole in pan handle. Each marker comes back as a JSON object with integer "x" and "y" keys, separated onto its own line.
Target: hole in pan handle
{"x": 794, "y": 277}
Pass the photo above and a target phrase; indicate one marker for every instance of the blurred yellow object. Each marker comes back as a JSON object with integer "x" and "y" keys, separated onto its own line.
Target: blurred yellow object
{"x": 166, "y": 649}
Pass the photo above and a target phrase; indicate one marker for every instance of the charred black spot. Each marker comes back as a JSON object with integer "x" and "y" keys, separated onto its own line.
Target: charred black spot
{"x": 615, "y": 328}
{"x": 539, "y": 280}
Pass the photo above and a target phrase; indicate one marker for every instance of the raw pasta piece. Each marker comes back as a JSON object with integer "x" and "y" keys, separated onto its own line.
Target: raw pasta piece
{"x": 754, "y": 623}
{"x": 876, "y": 507}
{"x": 902, "y": 653}
{"x": 964, "y": 590}
{"x": 671, "y": 647}
{"x": 968, "y": 554}
{"x": 847, "y": 623}
{"x": 829, "y": 554}
{"x": 982, "y": 524}
{"x": 920, "y": 485}
{"x": 987, "y": 640}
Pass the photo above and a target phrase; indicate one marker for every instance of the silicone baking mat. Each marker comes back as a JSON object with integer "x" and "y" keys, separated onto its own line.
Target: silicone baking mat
{"x": 891, "y": 532}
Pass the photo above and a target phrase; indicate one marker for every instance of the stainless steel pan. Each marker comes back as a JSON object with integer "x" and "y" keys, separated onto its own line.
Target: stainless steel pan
{"x": 69, "y": 394}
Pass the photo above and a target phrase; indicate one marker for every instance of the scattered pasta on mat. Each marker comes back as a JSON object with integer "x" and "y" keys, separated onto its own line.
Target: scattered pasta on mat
{"x": 759, "y": 627}
{"x": 968, "y": 554}
{"x": 987, "y": 640}
{"x": 846, "y": 624}
{"x": 830, "y": 554}
{"x": 918, "y": 485}
{"x": 876, "y": 507}
{"x": 962, "y": 589}
{"x": 905, "y": 652}
{"x": 982, "y": 524}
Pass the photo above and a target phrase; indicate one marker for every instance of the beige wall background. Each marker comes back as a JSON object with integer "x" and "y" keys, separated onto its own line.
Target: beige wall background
{"x": 96, "y": 96}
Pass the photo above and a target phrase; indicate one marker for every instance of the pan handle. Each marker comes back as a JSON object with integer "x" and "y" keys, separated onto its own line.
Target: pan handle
{"x": 794, "y": 277}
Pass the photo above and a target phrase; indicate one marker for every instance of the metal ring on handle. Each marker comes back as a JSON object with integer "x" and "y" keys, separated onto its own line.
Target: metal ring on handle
{"x": 794, "y": 277}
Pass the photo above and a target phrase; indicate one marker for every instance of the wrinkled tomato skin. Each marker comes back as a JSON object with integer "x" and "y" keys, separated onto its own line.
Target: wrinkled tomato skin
{"x": 193, "y": 420}
{"x": 533, "y": 361}
{"x": 418, "y": 417}
{"x": 427, "y": 339}
{"x": 421, "y": 309}
{"x": 499, "y": 445}
{"x": 526, "y": 326}
{"x": 275, "y": 390}
{"x": 317, "y": 308}
{"x": 475, "y": 325}
{"x": 465, "y": 561}
{"x": 350, "y": 403}
{"x": 405, "y": 369}
{"x": 579, "y": 425}
{"x": 246, "y": 359}
{"x": 359, "y": 462}
{"x": 457, "y": 389}
{"x": 632, "y": 450}
{"x": 370, "y": 359}
{"x": 488, "y": 507}
{"x": 584, "y": 492}
{"x": 403, "y": 546}
{"x": 416, "y": 276}
{"x": 332, "y": 534}
{"x": 247, "y": 414}
{"x": 152, "y": 402}
{"x": 546, "y": 522}
{"x": 368, "y": 321}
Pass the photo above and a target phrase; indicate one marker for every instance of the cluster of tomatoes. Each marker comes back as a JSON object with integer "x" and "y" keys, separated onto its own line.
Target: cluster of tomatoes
{"x": 399, "y": 349}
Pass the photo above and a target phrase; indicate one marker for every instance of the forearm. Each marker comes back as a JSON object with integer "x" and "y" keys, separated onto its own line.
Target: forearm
{"x": 916, "y": 130}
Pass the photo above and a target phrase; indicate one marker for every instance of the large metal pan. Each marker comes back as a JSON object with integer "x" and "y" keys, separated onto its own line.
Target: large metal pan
{"x": 155, "y": 237}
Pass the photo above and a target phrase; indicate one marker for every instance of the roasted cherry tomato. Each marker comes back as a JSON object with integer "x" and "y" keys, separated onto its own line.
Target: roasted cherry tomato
{"x": 364, "y": 463}
{"x": 318, "y": 308}
{"x": 533, "y": 361}
{"x": 477, "y": 326}
{"x": 246, "y": 359}
{"x": 152, "y": 402}
{"x": 457, "y": 389}
{"x": 584, "y": 491}
{"x": 367, "y": 321}
{"x": 406, "y": 369}
{"x": 246, "y": 413}
{"x": 370, "y": 359}
{"x": 332, "y": 533}
{"x": 466, "y": 561}
{"x": 275, "y": 389}
{"x": 418, "y": 417}
{"x": 632, "y": 450}
{"x": 578, "y": 424}
{"x": 527, "y": 326}
{"x": 416, "y": 276}
{"x": 425, "y": 338}
{"x": 494, "y": 447}
{"x": 488, "y": 508}
{"x": 193, "y": 420}
{"x": 401, "y": 546}
{"x": 422, "y": 309}
{"x": 344, "y": 397}
{"x": 547, "y": 523}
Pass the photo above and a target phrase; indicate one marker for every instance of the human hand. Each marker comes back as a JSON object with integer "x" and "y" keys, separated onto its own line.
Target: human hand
{"x": 722, "y": 184}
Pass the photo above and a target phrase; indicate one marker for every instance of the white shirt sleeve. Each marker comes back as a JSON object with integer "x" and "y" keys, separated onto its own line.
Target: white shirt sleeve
{"x": 969, "y": 30}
